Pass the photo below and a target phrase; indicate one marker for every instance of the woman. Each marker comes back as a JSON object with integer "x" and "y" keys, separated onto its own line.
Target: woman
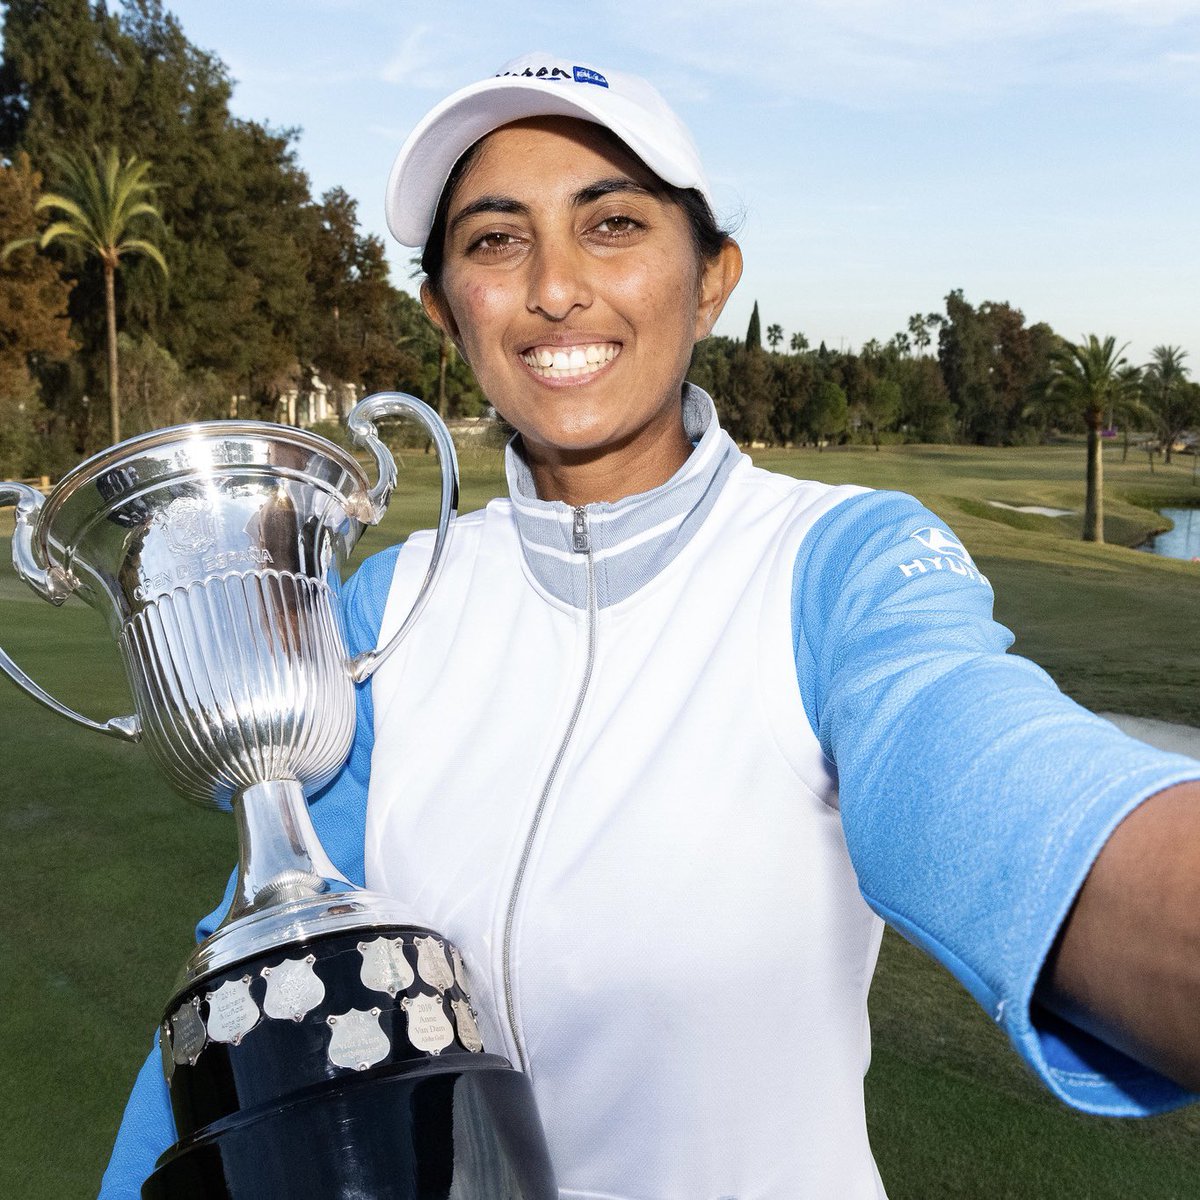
{"x": 671, "y": 718}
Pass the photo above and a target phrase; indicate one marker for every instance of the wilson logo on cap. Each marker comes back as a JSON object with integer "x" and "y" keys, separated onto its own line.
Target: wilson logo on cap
{"x": 554, "y": 74}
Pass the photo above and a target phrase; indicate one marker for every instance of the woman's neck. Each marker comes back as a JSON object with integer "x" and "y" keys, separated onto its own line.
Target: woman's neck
{"x": 612, "y": 473}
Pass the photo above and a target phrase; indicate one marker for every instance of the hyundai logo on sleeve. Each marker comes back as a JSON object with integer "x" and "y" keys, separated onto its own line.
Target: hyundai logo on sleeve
{"x": 946, "y": 553}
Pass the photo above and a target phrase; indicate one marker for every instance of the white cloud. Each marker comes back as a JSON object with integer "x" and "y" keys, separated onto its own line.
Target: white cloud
{"x": 871, "y": 52}
{"x": 428, "y": 58}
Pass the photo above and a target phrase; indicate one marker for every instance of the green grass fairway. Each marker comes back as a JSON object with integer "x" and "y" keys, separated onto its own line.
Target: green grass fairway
{"x": 106, "y": 871}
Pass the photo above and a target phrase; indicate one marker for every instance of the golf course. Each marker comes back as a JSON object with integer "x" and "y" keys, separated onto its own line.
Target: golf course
{"x": 107, "y": 871}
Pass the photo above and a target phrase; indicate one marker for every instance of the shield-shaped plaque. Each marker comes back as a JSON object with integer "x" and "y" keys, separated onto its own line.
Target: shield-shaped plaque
{"x": 431, "y": 963}
{"x": 187, "y": 1032}
{"x": 232, "y": 1012}
{"x": 460, "y": 971}
{"x": 468, "y": 1030}
{"x": 385, "y": 969}
{"x": 357, "y": 1040}
{"x": 293, "y": 989}
{"x": 429, "y": 1028}
{"x": 164, "y": 1045}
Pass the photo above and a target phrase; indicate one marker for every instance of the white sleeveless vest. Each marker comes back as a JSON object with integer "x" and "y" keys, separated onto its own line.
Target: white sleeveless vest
{"x": 593, "y": 771}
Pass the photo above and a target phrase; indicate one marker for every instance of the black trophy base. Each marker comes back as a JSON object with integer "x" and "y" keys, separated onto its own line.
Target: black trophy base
{"x": 432, "y": 1133}
{"x": 349, "y": 1067}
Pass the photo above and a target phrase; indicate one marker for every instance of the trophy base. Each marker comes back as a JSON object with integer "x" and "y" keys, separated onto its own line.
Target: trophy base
{"x": 348, "y": 1066}
{"x": 440, "y": 1132}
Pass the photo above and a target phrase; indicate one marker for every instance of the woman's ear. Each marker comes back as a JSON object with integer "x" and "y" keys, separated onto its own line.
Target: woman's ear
{"x": 438, "y": 311}
{"x": 718, "y": 277}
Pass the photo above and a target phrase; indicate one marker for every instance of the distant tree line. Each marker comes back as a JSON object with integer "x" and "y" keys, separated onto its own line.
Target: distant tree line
{"x": 263, "y": 287}
{"x": 973, "y": 374}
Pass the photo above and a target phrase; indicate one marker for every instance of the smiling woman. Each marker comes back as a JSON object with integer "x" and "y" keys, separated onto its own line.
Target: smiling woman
{"x": 571, "y": 283}
{"x": 677, "y": 734}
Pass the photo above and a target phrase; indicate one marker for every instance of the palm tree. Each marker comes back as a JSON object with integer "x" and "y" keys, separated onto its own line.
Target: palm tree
{"x": 1089, "y": 377}
{"x": 774, "y": 336}
{"x": 1163, "y": 383}
{"x": 100, "y": 200}
{"x": 918, "y": 329}
{"x": 799, "y": 343}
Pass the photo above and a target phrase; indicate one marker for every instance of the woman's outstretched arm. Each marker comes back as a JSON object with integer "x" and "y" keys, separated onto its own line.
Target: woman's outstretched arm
{"x": 1126, "y": 966}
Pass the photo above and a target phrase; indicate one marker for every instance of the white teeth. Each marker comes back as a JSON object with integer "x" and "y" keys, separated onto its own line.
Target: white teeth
{"x": 569, "y": 362}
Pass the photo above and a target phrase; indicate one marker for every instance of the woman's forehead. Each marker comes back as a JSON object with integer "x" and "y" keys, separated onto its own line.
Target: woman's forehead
{"x": 546, "y": 154}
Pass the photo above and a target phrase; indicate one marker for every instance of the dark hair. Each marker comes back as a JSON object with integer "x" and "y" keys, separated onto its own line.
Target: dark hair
{"x": 707, "y": 236}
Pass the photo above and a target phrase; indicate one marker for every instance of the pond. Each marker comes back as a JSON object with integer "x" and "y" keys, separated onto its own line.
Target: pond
{"x": 1181, "y": 542}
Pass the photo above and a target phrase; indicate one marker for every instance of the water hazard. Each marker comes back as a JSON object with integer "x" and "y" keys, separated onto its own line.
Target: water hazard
{"x": 1181, "y": 542}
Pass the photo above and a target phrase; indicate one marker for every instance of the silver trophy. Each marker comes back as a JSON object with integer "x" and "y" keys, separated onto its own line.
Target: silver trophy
{"x": 321, "y": 1042}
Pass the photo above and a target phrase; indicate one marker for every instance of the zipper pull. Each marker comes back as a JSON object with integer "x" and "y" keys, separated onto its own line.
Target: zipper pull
{"x": 579, "y": 532}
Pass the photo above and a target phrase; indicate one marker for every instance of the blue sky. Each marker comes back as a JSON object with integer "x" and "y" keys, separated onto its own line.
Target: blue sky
{"x": 874, "y": 155}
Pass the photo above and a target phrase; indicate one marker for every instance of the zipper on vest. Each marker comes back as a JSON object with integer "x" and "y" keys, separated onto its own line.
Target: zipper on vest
{"x": 581, "y": 541}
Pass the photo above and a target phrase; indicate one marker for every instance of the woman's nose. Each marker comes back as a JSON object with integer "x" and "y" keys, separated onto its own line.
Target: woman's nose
{"x": 559, "y": 280}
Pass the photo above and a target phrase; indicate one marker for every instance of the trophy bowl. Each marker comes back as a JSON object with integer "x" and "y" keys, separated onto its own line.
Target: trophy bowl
{"x": 321, "y": 1042}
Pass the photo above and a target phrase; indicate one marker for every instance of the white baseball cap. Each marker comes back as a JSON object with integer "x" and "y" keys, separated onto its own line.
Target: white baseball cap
{"x": 535, "y": 85}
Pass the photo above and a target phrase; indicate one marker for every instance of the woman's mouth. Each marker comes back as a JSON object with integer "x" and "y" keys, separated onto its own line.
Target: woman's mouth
{"x": 566, "y": 362}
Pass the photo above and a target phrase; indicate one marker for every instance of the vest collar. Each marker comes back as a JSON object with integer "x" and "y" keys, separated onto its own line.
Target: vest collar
{"x": 633, "y": 539}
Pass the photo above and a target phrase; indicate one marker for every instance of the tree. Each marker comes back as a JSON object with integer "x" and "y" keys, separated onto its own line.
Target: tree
{"x": 828, "y": 413}
{"x": 774, "y": 336}
{"x": 881, "y": 406}
{"x": 995, "y": 368}
{"x": 926, "y": 412}
{"x": 352, "y": 339}
{"x": 751, "y": 397}
{"x": 99, "y": 204}
{"x": 33, "y": 297}
{"x": 1088, "y": 377}
{"x": 754, "y": 331}
{"x": 236, "y": 205}
{"x": 155, "y": 392}
{"x": 918, "y": 329}
{"x": 799, "y": 343}
{"x": 34, "y": 327}
{"x": 1164, "y": 388}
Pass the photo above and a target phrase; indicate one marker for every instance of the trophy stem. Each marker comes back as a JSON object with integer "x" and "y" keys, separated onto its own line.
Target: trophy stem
{"x": 280, "y": 857}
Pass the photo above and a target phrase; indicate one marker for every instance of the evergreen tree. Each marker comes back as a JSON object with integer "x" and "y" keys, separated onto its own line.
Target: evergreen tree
{"x": 754, "y": 331}
{"x": 34, "y": 325}
{"x": 232, "y": 195}
{"x": 752, "y": 397}
{"x": 828, "y": 413}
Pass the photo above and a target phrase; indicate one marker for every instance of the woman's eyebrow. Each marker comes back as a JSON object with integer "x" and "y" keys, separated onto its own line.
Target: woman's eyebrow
{"x": 585, "y": 195}
{"x": 488, "y": 204}
{"x": 606, "y": 187}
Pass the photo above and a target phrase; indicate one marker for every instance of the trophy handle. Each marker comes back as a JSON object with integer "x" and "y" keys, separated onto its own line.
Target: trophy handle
{"x": 361, "y": 423}
{"x": 54, "y": 584}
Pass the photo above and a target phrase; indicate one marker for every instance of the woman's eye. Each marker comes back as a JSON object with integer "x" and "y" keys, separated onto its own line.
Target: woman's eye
{"x": 617, "y": 226}
{"x": 494, "y": 242}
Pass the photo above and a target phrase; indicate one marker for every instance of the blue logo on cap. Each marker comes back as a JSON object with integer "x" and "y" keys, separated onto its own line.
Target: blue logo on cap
{"x": 583, "y": 75}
